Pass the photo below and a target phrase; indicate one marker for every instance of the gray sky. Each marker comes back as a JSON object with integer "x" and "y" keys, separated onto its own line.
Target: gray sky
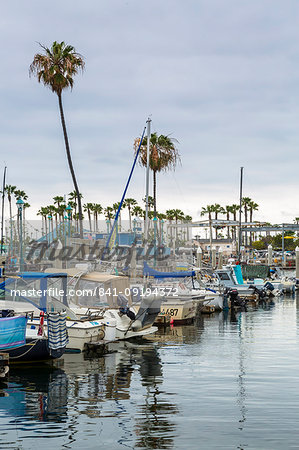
{"x": 220, "y": 76}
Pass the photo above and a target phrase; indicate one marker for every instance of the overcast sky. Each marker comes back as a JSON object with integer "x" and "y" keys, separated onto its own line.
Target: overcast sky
{"x": 222, "y": 77}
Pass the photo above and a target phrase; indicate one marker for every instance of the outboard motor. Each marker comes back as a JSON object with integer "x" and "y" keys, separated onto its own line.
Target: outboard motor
{"x": 261, "y": 293}
{"x": 235, "y": 300}
{"x": 122, "y": 302}
{"x": 269, "y": 286}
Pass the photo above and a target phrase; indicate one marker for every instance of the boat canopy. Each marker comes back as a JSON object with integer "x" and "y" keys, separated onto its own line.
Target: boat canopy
{"x": 150, "y": 272}
{"x": 37, "y": 288}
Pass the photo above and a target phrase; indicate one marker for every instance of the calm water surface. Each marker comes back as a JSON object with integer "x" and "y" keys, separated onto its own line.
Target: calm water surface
{"x": 227, "y": 382}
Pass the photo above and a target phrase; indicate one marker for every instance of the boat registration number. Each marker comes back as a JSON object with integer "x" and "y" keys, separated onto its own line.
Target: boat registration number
{"x": 169, "y": 312}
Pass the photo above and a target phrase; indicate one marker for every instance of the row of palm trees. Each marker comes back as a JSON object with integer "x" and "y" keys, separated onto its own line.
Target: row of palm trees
{"x": 12, "y": 193}
{"x": 61, "y": 211}
{"x": 249, "y": 206}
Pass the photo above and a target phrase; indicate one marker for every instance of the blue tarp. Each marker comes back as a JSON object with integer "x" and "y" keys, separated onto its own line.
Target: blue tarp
{"x": 149, "y": 271}
{"x": 12, "y": 332}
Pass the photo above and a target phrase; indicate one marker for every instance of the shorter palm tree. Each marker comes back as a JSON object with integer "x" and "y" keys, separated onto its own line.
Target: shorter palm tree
{"x": 128, "y": 203}
{"x": 88, "y": 207}
{"x": 97, "y": 210}
{"x": 163, "y": 156}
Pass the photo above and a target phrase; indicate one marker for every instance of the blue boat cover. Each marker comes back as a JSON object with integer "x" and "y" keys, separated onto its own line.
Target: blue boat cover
{"x": 150, "y": 272}
{"x": 12, "y": 332}
{"x": 238, "y": 273}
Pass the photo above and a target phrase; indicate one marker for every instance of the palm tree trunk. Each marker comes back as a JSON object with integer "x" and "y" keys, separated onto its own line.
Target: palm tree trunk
{"x": 155, "y": 191}
{"x": 89, "y": 219}
{"x": 68, "y": 153}
{"x": 246, "y": 217}
{"x": 250, "y": 234}
{"x": 211, "y": 238}
{"x": 130, "y": 219}
{"x": 10, "y": 220}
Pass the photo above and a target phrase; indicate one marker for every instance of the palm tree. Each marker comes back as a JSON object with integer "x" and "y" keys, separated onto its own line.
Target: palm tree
{"x": 170, "y": 218}
{"x": 72, "y": 201}
{"x": 97, "y": 210}
{"x": 234, "y": 209}
{"x": 163, "y": 156}
{"x": 188, "y": 219}
{"x": 252, "y": 207}
{"x": 43, "y": 212}
{"x": 150, "y": 202}
{"x": 109, "y": 214}
{"x": 115, "y": 207}
{"x": 177, "y": 215}
{"x": 56, "y": 69}
{"x": 58, "y": 200}
{"x": 228, "y": 210}
{"x": 246, "y": 202}
{"x": 60, "y": 208}
{"x": 209, "y": 209}
{"x": 217, "y": 209}
{"x": 88, "y": 207}
{"x": 19, "y": 194}
{"x": 137, "y": 211}
{"x": 128, "y": 203}
{"x": 10, "y": 190}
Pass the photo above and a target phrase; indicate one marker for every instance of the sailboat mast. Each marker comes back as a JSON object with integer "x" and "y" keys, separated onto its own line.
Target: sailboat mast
{"x": 240, "y": 215}
{"x": 2, "y": 217}
{"x": 147, "y": 178}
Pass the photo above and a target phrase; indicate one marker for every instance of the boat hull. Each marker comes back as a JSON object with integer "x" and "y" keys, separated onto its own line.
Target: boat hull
{"x": 35, "y": 350}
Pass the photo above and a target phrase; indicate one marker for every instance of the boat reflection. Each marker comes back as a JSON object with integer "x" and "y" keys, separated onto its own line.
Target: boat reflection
{"x": 112, "y": 382}
{"x": 38, "y": 393}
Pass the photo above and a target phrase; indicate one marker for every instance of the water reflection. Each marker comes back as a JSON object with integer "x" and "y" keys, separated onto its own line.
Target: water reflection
{"x": 38, "y": 393}
{"x": 109, "y": 389}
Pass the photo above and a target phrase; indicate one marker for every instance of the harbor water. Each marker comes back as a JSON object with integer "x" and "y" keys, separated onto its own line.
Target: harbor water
{"x": 229, "y": 381}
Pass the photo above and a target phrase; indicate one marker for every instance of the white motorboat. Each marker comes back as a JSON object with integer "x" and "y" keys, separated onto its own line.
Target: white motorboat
{"x": 96, "y": 305}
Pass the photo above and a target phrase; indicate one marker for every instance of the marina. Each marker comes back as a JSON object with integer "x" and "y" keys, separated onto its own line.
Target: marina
{"x": 242, "y": 369}
{"x": 149, "y": 225}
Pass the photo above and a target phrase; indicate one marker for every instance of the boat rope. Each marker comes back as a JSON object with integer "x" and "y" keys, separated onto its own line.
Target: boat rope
{"x": 32, "y": 344}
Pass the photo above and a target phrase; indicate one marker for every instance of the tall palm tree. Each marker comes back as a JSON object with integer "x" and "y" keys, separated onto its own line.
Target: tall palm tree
{"x": 128, "y": 203}
{"x": 163, "y": 156}
{"x": 56, "y": 68}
